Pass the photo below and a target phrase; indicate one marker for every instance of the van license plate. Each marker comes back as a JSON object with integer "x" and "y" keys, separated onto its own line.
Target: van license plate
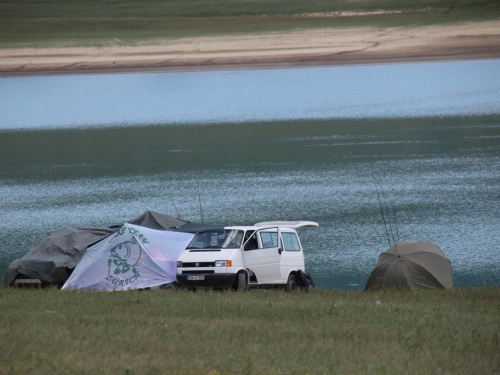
{"x": 196, "y": 277}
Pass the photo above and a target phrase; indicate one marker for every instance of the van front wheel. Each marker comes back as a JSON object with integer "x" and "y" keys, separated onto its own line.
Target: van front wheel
{"x": 241, "y": 282}
{"x": 291, "y": 284}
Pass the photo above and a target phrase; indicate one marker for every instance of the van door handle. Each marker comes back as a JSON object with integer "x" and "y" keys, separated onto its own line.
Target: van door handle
{"x": 279, "y": 250}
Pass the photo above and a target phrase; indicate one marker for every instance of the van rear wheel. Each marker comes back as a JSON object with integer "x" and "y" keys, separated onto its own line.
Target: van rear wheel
{"x": 241, "y": 282}
{"x": 291, "y": 284}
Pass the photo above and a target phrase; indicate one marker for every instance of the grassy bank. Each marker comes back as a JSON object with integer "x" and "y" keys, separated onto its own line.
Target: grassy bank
{"x": 91, "y": 22}
{"x": 262, "y": 332}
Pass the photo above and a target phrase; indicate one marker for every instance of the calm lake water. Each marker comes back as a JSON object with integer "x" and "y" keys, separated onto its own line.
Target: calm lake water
{"x": 258, "y": 145}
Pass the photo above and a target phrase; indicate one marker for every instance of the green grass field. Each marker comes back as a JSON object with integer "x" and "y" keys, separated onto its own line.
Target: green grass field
{"x": 262, "y": 332}
{"x": 94, "y": 22}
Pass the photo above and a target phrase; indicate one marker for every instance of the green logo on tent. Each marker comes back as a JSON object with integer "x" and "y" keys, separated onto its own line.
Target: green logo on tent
{"x": 122, "y": 263}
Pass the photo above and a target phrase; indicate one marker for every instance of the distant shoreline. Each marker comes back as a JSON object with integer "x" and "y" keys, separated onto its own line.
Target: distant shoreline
{"x": 316, "y": 47}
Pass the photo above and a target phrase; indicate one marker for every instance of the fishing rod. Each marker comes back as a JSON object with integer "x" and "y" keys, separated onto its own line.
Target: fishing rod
{"x": 175, "y": 207}
{"x": 388, "y": 208}
{"x": 381, "y": 209}
{"x": 388, "y": 215}
{"x": 395, "y": 221}
{"x": 383, "y": 217}
{"x": 199, "y": 199}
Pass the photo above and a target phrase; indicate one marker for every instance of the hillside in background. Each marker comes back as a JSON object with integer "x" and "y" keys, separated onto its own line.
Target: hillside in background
{"x": 91, "y": 22}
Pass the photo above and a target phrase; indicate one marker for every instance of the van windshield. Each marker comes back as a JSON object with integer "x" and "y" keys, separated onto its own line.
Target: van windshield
{"x": 225, "y": 239}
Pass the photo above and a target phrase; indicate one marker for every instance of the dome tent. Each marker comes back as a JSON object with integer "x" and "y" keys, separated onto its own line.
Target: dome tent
{"x": 411, "y": 265}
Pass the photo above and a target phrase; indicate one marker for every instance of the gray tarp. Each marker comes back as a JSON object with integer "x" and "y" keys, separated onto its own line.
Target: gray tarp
{"x": 411, "y": 265}
{"x": 154, "y": 220}
{"x": 53, "y": 259}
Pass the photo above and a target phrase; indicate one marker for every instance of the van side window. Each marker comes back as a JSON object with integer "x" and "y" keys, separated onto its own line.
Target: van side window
{"x": 252, "y": 242}
{"x": 290, "y": 241}
{"x": 269, "y": 239}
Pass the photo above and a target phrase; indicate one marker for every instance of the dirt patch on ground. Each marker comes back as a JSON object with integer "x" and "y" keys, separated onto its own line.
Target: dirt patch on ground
{"x": 298, "y": 48}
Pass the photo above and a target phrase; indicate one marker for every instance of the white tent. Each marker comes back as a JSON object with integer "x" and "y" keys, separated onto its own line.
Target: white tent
{"x": 134, "y": 257}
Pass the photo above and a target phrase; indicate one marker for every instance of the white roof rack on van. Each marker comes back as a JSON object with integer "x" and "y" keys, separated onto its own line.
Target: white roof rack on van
{"x": 288, "y": 224}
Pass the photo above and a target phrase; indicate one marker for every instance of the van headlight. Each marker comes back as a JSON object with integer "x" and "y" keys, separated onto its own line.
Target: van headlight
{"x": 179, "y": 264}
{"x": 223, "y": 263}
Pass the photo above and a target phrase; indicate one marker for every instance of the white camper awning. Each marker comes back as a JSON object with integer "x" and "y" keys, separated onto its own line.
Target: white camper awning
{"x": 288, "y": 224}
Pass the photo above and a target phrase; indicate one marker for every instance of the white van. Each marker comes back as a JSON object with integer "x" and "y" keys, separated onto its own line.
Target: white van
{"x": 244, "y": 256}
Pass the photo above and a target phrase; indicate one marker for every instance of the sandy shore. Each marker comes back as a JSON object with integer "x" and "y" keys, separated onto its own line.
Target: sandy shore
{"x": 298, "y": 48}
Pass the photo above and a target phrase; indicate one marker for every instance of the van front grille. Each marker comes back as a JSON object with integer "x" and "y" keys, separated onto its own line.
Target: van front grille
{"x": 197, "y": 264}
